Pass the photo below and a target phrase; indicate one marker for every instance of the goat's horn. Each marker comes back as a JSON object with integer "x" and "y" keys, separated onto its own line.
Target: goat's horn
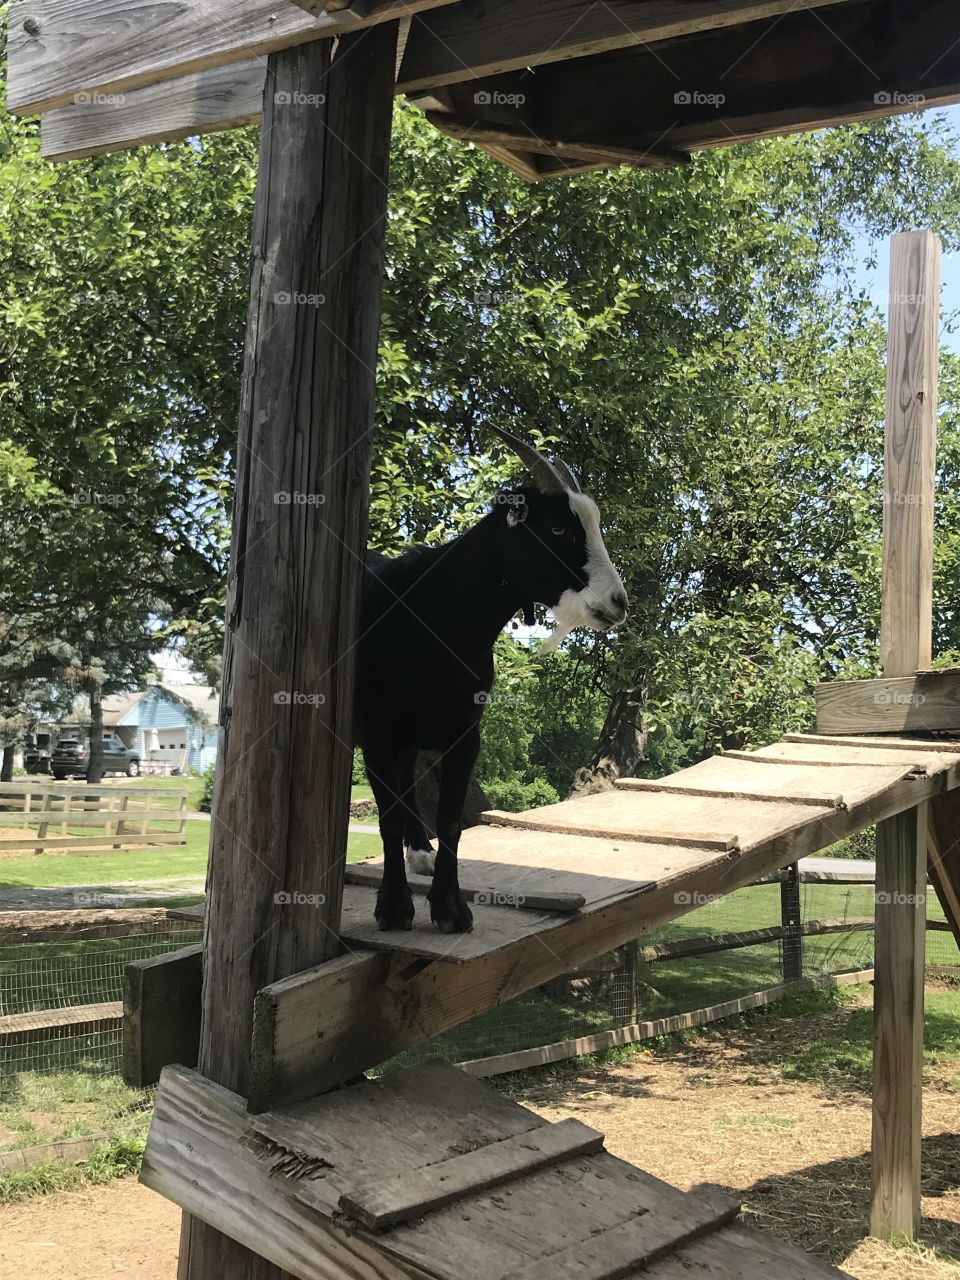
{"x": 547, "y": 478}
{"x": 566, "y": 475}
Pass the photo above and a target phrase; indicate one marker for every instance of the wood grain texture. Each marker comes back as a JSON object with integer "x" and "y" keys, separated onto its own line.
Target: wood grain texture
{"x": 409, "y": 1195}
{"x": 910, "y": 446}
{"x": 943, "y": 860}
{"x": 204, "y": 102}
{"x": 407, "y": 1004}
{"x": 280, "y": 811}
{"x": 161, "y": 1014}
{"x": 53, "y": 1024}
{"x": 919, "y": 703}
{"x": 485, "y": 37}
{"x": 93, "y": 47}
{"x": 898, "y": 1022}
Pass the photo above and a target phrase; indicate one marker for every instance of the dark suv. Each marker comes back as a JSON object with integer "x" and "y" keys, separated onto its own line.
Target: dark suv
{"x": 71, "y": 758}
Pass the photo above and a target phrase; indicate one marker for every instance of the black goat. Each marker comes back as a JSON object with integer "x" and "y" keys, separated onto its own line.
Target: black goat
{"x": 429, "y": 619}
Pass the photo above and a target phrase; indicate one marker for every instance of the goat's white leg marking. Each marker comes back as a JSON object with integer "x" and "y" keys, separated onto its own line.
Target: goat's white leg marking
{"x": 420, "y": 861}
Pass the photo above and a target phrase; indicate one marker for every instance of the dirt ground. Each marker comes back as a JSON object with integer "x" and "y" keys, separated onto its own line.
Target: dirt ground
{"x": 719, "y": 1111}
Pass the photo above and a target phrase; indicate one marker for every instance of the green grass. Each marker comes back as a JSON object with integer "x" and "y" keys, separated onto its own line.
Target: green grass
{"x": 111, "y": 869}
{"x": 113, "y": 1159}
{"x": 192, "y": 785}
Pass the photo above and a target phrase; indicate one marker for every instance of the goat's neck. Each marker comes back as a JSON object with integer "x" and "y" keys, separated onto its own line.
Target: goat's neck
{"x": 475, "y": 588}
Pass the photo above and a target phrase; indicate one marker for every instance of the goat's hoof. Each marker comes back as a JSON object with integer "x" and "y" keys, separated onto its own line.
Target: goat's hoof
{"x": 420, "y": 862}
{"x": 449, "y": 911}
{"x": 394, "y": 908}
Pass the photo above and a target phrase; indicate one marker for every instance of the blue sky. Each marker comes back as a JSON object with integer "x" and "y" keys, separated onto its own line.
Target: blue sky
{"x": 876, "y": 281}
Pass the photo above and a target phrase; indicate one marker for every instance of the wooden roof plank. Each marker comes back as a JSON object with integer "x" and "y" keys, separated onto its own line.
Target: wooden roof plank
{"x": 58, "y": 49}
{"x": 488, "y": 37}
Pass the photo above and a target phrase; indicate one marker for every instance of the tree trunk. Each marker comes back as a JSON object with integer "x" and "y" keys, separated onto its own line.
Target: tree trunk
{"x": 280, "y": 808}
{"x": 95, "y": 763}
{"x": 6, "y": 769}
{"x": 620, "y": 748}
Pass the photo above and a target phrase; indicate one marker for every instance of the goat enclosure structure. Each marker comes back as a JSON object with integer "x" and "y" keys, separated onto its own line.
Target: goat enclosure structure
{"x": 242, "y": 1141}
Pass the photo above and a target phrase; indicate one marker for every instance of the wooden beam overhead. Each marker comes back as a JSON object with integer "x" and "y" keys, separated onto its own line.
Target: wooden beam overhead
{"x": 486, "y": 37}
{"x": 59, "y": 50}
{"x": 806, "y": 70}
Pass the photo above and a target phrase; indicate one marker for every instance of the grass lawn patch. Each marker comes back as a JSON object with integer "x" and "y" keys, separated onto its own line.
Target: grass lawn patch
{"x": 112, "y": 868}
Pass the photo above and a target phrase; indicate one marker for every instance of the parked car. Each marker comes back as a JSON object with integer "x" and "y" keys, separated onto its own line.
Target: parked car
{"x": 71, "y": 758}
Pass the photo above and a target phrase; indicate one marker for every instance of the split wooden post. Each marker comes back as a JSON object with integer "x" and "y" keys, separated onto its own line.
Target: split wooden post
{"x": 906, "y": 633}
{"x": 280, "y": 813}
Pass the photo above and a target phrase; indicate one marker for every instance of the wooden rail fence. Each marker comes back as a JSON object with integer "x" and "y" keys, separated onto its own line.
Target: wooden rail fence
{"x": 41, "y": 815}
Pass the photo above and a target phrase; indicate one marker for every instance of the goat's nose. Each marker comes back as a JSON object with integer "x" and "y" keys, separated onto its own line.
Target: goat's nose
{"x": 619, "y": 603}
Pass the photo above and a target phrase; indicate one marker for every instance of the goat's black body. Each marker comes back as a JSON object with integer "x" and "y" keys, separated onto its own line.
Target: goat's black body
{"x": 429, "y": 620}
{"x": 428, "y": 623}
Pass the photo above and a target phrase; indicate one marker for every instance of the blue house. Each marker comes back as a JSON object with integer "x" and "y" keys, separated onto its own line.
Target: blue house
{"x": 170, "y": 726}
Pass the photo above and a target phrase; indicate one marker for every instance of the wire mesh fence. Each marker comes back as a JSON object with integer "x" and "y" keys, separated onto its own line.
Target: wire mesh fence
{"x": 60, "y": 1001}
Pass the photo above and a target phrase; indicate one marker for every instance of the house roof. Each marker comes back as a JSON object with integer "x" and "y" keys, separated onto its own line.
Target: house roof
{"x": 201, "y": 701}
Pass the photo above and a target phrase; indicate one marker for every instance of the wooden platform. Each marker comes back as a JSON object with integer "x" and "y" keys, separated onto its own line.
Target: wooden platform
{"x": 651, "y": 850}
{"x": 427, "y": 1173}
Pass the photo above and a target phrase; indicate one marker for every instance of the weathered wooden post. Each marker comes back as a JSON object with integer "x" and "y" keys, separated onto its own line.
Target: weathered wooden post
{"x": 279, "y": 828}
{"x": 905, "y": 646}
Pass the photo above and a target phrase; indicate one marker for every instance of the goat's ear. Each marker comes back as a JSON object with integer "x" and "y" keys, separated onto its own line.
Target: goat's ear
{"x": 517, "y": 510}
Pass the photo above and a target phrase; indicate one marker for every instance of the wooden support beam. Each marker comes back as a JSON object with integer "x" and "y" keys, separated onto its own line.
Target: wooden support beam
{"x": 279, "y": 822}
{"x": 943, "y": 851}
{"x": 486, "y": 37}
{"x": 898, "y": 1023}
{"x": 925, "y": 702}
{"x": 64, "y": 51}
{"x": 905, "y": 645}
{"x": 653, "y": 157}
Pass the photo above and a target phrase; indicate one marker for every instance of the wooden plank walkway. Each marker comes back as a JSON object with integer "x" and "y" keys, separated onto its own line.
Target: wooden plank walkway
{"x": 433, "y": 1173}
{"x": 655, "y": 850}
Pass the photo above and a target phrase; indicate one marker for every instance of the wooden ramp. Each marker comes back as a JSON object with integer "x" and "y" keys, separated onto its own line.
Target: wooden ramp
{"x": 652, "y": 850}
{"x": 552, "y": 888}
{"x": 428, "y": 1173}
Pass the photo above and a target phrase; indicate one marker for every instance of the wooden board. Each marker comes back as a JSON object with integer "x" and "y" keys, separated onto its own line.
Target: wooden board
{"x": 740, "y": 1253}
{"x": 26, "y": 927}
{"x": 938, "y": 745}
{"x": 485, "y": 37}
{"x": 666, "y": 818}
{"x": 414, "y": 1192}
{"x": 161, "y": 1007}
{"x": 943, "y": 856}
{"x": 924, "y": 702}
{"x": 844, "y": 754}
{"x": 204, "y": 102}
{"x": 55, "y": 1024}
{"x": 254, "y": 1176}
{"x": 743, "y": 777}
{"x": 526, "y": 896}
{"x": 104, "y": 47}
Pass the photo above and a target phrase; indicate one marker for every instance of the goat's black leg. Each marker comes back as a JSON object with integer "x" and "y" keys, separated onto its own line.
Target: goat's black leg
{"x": 420, "y": 852}
{"x": 448, "y": 908}
{"x": 394, "y": 908}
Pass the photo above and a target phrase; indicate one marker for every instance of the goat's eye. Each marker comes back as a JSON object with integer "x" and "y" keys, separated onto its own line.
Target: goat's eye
{"x": 558, "y": 533}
